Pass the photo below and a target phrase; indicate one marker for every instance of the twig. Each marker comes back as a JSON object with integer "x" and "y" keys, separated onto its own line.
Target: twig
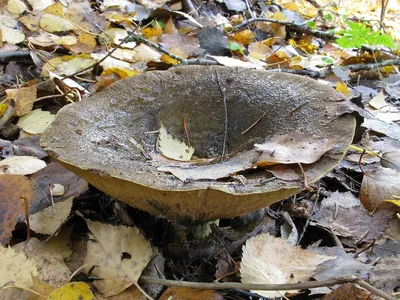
{"x": 311, "y": 212}
{"x": 28, "y": 226}
{"x": 254, "y": 124}
{"x": 14, "y": 55}
{"x": 226, "y": 113}
{"x": 304, "y": 178}
{"x": 136, "y": 38}
{"x": 266, "y": 287}
{"x": 302, "y": 27}
{"x": 123, "y": 41}
{"x": 361, "y": 67}
{"x": 186, "y": 132}
{"x": 364, "y": 249}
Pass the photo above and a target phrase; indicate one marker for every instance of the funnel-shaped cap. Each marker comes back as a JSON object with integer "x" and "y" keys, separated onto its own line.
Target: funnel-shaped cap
{"x": 92, "y": 138}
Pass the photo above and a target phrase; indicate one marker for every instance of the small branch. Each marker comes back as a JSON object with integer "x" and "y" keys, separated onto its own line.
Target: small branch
{"x": 14, "y": 55}
{"x": 360, "y": 67}
{"x": 302, "y": 27}
{"x": 123, "y": 41}
{"x": 311, "y": 213}
{"x": 266, "y": 287}
{"x": 254, "y": 124}
{"x": 183, "y": 61}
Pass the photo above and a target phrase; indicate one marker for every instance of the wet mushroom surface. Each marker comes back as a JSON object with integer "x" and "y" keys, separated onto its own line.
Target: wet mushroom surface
{"x": 226, "y": 110}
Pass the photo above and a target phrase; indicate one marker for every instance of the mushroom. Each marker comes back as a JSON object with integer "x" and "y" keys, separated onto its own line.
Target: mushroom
{"x": 93, "y": 138}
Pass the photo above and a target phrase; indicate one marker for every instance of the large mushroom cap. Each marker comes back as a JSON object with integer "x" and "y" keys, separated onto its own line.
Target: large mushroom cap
{"x": 92, "y": 138}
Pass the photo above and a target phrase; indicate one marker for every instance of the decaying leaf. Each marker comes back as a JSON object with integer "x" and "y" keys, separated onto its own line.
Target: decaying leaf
{"x": 12, "y": 205}
{"x": 118, "y": 254}
{"x": 20, "y": 269}
{"x": 213, "y": 171}
{"x": 49, "y": 220}
{"x": 271, "y": 260}
{"x": 21, "y": 165}
{"x": 292, "y": 148}
{"x": 50, "y": 264}
{"x": 24, "y": 98}
{"x": 36, "y": 121}
{"x": 173, "y": 148}
{"x": 383, "y": 184}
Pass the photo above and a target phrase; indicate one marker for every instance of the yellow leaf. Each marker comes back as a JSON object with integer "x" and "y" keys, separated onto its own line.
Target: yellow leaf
{"x": 53, "y": 23}
{"x": 169, "y": 60}
{"x": 269, "y": 42}
{"x": 154, "y": 31}
{"x": 55, "y": 9}
{"x": 122, "y": 73}
{"x": 3, "y": 108}
{"x": 277, "y": 29}
{"x": 72, "y": 291}
{"x": 395, "y": 202}
{"x": 342, "y": 88}
{"x": 173, "y": 148}
{"x": 244, "y": 37}
{"x": 86, "y": 44}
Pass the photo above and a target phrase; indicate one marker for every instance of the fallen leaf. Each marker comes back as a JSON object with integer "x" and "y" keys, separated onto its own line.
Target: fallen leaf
{"x": 182, "y": 293}
{"x": 72, "y": 291}
{"x": 382, "y": 184}
{"x": 118, "y": 254}
{"x": 277, "y": 29}
{"x": 292, "y": 148}
{"x": 21, "y": 165}
{"x": 50, "y": 219}
{"x": 36, "y": 121}
{"x": 343, "y": 88}
{"x": 11, "y": 35}
{"x": 349, "y": 291}
{"x": 153, "y": 4}
{"x": 232, "y": 62}
{"x": 212, "y": 171}
{"x": 245, "y": 37}
{"x": 271, "y": 260}
{"x": 24, "y": 98}
{"x": 173, "y": 148}
{"x": 379, "y": 102}
{"x": 16, "y": 6}
{"x": 20, "y": 269}
{"x": 51, "y": 265}
{"x": 38, "y": 5}
{"x": 342, "y": 264}
{"x": 346, "y": 217}
{"x": 384, "y": 276}
{"x": 53, "y": 23}
{"x": 12, "y": 206}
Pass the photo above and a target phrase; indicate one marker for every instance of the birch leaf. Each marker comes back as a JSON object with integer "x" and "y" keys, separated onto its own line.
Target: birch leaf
{"x": 173, "y": 148}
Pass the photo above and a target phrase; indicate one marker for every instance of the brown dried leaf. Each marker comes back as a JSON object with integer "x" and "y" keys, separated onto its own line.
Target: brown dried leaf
{"x": 24, "y": 98}
{"x": 292, "y": 148}
{"x": 382, "y": 184}
{"x": 181, "y": 293}
{"x": 349, "y": 291}
{"x": 11, "y": 204}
